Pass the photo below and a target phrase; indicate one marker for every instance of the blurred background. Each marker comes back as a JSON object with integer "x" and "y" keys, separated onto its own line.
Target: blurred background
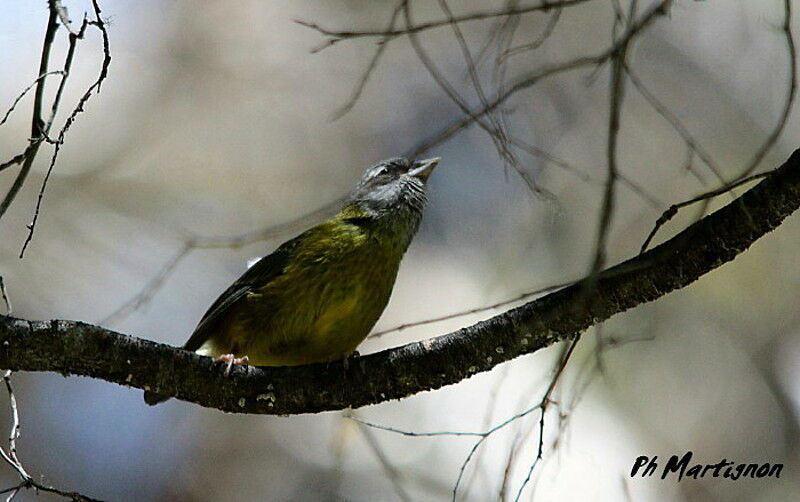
{"x": 216, "y": 120}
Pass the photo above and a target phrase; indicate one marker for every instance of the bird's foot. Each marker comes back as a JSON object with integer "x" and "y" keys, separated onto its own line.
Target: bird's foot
{"x": 230, "y": 360}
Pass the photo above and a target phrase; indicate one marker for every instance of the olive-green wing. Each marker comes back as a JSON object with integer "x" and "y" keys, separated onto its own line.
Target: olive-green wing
{"x": 264, "y": 271}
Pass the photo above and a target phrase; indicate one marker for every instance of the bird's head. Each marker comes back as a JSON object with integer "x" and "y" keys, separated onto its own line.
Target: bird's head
{"x": 394, "y": 186}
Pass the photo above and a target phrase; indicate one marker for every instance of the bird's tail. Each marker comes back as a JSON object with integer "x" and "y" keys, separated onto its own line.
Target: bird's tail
{"x": 153, "y": 398}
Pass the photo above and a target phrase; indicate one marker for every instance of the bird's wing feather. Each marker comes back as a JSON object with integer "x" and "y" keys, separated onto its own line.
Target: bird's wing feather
{"x": 264, "y": 271}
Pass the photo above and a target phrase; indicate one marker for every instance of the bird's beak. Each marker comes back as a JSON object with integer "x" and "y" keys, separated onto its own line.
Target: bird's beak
{"x": 423, "y": 168}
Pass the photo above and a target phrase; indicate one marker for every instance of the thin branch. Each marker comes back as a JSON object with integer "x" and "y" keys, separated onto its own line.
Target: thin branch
{"x": 500, "y": 134}
{"x": 488, "y": 415}
{"x": 394, "y": 475}
{"x": 495, "y": 127}
{"x": 505, "y": 37}
{"x": 585, "y": 379}
{"x": 530, "y": 79}
{"x": 501, "y": 33}
{"x": 63, "y": 16}
{"x": 482, "y": 436}
{"x": 25, "y": 91}
{"x": 94, "y": 88}
{"x": 543, "y": 409}
{"x": 790, "y": 95}
{"x": 704, "y": 197}
{"x": 17, "y": 159}
{"x": 73, "y": 40}
{"x": 149, "y": 290}
{"x": 424, "y": 434}
{"x": 477, "y": 310}
{"x": 339, "y": 35}
{"x": 637, "y": 189}
{"x": 677, "y": 125}
{"x": 11, "y": 457}
{"x": 511, "y": 459}
{"x": 744, "y": 176}
{"x": 538, "y": 41}
{"x": 546, "y": 156}
{"x": 617, "y": 90}
{"x": 37, "y": 123}
{"x": 70, "y": 347}
{"x": 373, "y": 63}
{"x": 497, "y": 135}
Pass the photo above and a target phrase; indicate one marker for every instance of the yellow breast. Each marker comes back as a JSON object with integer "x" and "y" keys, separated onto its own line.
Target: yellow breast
{"x": 337, "y": 312}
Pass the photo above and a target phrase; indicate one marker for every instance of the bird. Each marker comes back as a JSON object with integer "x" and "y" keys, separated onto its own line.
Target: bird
{"x": 318, "y": 295}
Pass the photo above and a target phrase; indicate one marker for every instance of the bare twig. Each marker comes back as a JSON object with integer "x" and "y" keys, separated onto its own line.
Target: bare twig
{"x": 419, "y": 434}
{"x": 11, "y": 458}
{"x": 482, "y": 436}
{"x": 497, "y": 135}
{"x": 546, "y": 156}
{"x": 95, "y": 87}
{"x": 538, "y": 41}
{"x": 543, "y": 409}
{"x": 25, "y": 91}
{"x": 497, "y": 127}
{"x": 607, "y": 208}
{"x": 373, "y": 63}
{"x": 501, "y": 33}
{"x": 63, "y": 16}
{"x": 394, "y": 475}
{"x": 617, "y": 92}
{"x": 37, "y": 123}
{"x": 510, "y": 461}
{"x": 791, "y": 91}
{"x": 523, "y": 296}
{"x": 148, "y": 291}
{"x": 585, "y": 376}
{"x": 636, "y": 188}
{"x": 338, "y": 35}
{"x": 694, "y": 146}
{"x": 505, "y": 37}
{"x": 673, "y": 209}
{"x": 745, "y": 176}
{"x": 488, "y": 419}
{"x": 530, "y": 79}
{"x": 17, "y": 159}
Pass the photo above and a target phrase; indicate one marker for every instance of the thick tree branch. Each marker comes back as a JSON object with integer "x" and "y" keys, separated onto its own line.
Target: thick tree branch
{"x": 71, "y": 347}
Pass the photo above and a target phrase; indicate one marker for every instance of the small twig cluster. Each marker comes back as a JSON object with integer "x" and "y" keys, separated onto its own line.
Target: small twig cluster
{"x": 41, "y": 127}
{"x": 10, "y": 456}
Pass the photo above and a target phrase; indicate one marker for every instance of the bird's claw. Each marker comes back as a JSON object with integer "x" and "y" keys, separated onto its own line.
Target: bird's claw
{"x": 230, "y": 360}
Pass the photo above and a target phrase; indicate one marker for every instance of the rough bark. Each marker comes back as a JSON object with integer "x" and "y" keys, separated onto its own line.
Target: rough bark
{"x": 70, "y": 347}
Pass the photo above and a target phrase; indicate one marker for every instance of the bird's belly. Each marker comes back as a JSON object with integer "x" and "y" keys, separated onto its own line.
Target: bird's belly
{"x": 321, "y": 323}
{"x": 336, "y": 314}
